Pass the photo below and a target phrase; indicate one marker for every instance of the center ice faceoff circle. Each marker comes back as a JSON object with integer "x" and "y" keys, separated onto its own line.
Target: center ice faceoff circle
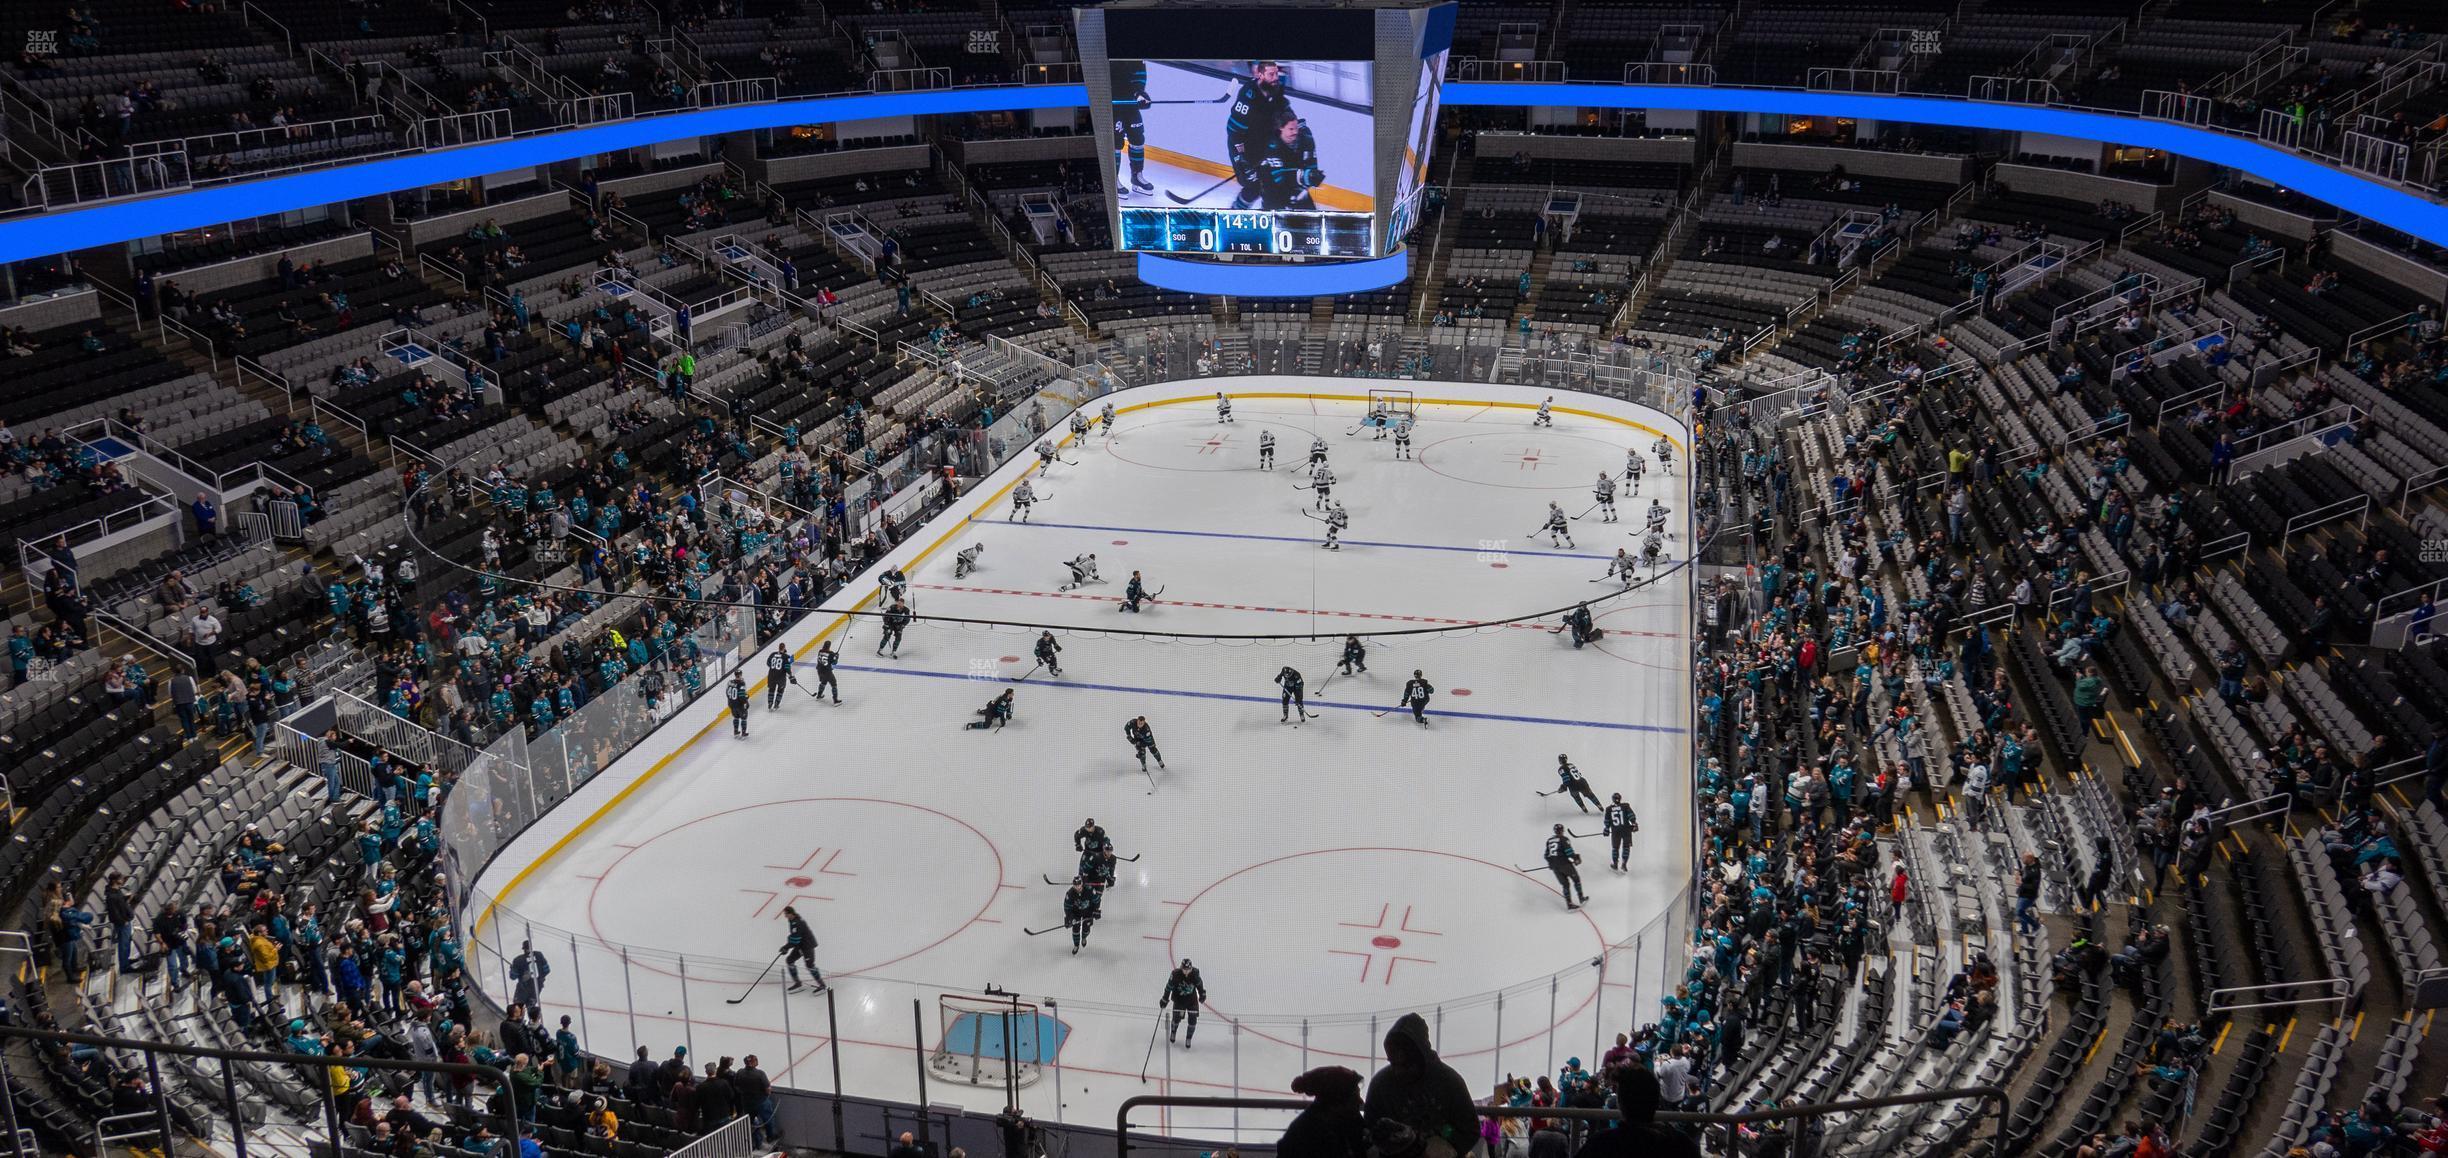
{"x": 1527, "y": 459}
{"x": 841, "y": 861}
{"x": 1376, "y": 929}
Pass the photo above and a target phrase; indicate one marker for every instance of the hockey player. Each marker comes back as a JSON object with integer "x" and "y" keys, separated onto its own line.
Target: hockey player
{"x": 1143, "y": 741}
{"x": 1090, "y": 837}
{"x": 1665, "y": 454}
{"x": 799, "y": 948}
{"x": 1583, "y": 629}
{"x": 826, "y": 657}
{"x": 1634, "y": 467}
{"x": 1099, "y": 868}
{"x": 896, "y": 619}
{"x": 1561, "y": 860}
{"x": 1619, "y": 824}
{"x": 996, "y": 714}
{"x": 1223, "y": 407}
{"x": 1266, "y": 450}
{"x": 778, "y": 676}
{"x": 1024, "y": 496}
{"x": 1653, "y": 547}
{"x": 1079, "y": 427}
{"x": 1336, "y": 520}
{"x": 1546, "y": 412}
{"x": 1657, "y": 518}
{"x": 1257, "y": 109}
{"x": 1604, "y": 491}
{"x": 1079, "y": 912}
{"x": 967, "y": 560}
{"x": 1047, "y": 649}
{"x": 1415, "y": 695}
{"x": 1317, "y": 451}
{"x": 1322, "y": 481}
{"x": 1570, "y": 782}
{"x": 1183, "y": 991}
{"x": 1045, "y": 454}
{"x": 1106, "y": 416}
{"x": 1558, "y": 527}
{"x": 1288, "y": 165}
{"x": 1130, "y": 96}
{"x": 893, "y": 585}
{"x": 1379, "y": 421}
{"x": 1621, "y": 568}
{"x": 1355, "y": 656}
{"x": 1293, "y": 693}
{"x": 1402, "y": 437}
{"x": 1083, "y": 572}
{"x": 735, "y": 694}
{"x": 1133, "y": 594}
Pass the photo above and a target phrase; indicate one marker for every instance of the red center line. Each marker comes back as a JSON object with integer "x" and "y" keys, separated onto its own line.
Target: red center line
{"x": 1519, "y": 625}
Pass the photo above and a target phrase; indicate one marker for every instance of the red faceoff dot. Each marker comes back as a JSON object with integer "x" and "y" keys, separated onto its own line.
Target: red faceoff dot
{"x": 800, "y": 882}
{"x": 1461, "y": 691}
{"x": 1387, "y": 942}
{"x": 1500, "y": 566}
{"x": 1011, "y": 659}
{"x": 1121, "y": 542}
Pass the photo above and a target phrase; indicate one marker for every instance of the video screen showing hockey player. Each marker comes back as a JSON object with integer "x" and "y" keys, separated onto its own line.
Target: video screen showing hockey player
{"x": 1296, "y": 136}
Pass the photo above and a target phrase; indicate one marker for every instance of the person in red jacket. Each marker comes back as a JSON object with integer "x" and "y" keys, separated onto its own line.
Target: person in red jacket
{"x": 1898, "y": 889}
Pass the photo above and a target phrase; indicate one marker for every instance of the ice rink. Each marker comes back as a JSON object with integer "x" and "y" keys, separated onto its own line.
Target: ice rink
{"x": 1325, "y": 876}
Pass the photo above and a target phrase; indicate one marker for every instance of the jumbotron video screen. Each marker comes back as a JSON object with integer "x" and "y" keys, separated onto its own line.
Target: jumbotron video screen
{"x": 1279, "y": 149}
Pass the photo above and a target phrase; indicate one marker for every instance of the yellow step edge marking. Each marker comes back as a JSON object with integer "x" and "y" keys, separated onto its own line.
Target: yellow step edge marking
{"x": 2286, "y": 1037}
{"x": 2221, "y": 1043}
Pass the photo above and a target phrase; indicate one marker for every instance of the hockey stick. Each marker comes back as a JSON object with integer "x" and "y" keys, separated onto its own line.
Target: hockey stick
{"x": 1555, "y": 792}
{"x": 1216, "y": 101}
{"x": 1151, "y": 1049}
{"x": 1584, "y": 835}
{"x": 760, "y": 978}
{"x": 1030, "y": 672}
{"x": 1042, "y": 932}
{"x": 1303, "y": 487}
{"x": 1585, "y": 514}
{"x": 1178, "y": 199}
{"x": 1051, "y": 881}
{"x": 1151, "y": 778}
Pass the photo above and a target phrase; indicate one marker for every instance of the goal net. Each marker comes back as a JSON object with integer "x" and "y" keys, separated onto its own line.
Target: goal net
{"x": 987, "y": 1042}
{"x": 1396, "y": 403}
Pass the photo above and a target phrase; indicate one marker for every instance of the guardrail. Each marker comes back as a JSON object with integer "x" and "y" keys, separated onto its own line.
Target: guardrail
{"x": 2340, "y": 990}
{"x": 910, "y": 79}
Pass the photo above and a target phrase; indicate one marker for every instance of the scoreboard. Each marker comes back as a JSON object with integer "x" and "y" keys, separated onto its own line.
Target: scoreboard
{"x": 1226, "y": 231}
{"x": 1264, "y": 129}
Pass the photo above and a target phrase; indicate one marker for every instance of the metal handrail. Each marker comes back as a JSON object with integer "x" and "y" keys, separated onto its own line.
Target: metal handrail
{"x": 2342, "y": 990}
{"x": 1994, "y": 1095}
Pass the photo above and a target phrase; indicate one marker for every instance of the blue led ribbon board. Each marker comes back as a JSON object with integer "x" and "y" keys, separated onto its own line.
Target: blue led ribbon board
{"x": 39, "y": 235}
{"x": 1274, "y": 279}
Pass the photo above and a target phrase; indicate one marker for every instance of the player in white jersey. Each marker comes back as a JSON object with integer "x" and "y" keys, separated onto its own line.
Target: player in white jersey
{"x": 1045, "y": 455}
{"x": 1604, "y": 491}
{"x": 1266, "y": 450}
{"x": 967, "y": 560}
{"x": 1657, "y": 517}
{"x": 1336, "y": 521}
{"x": 1223, "y": 407}
{"x": 1079, "y": 427}
{"x": 1665, "y": 452}
{"x": 1107, "y": 417}
{"x": 1083, "y": 572}
{"x": 1381, "y": 421}
{"x": 1324, "y": 484}
{"x": 1402, "y": 437}
{"x": 1621, "y": 568}
{"x": 1024, "y": 496}
{"x": 1653, "y": 547}
{"x": 1317, "y": 450}
{"x": 1546, "y": 412}
{"x": 1634, "y": 467}
{"x": 1558, "y": 527}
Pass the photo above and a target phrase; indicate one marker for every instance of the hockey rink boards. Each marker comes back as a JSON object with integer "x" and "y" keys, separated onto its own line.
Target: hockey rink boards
{"x": 1325, "y": 875}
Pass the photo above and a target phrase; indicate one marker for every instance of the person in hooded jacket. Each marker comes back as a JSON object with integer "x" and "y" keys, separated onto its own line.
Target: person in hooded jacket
{"x": 1417, "y": 1106}
{"x": 1332, "y": 1126}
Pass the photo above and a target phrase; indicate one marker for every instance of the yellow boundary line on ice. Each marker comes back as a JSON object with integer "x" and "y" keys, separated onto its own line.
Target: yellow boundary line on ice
{"x": 842, "y": 618}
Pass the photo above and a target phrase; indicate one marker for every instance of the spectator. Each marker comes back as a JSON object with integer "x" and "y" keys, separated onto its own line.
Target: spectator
{"x": 1417, "y": 1106}
{"x": 1638, "y": 1135}
{"x": 1332, "y": 1125}
{"x": 207, "y": 515}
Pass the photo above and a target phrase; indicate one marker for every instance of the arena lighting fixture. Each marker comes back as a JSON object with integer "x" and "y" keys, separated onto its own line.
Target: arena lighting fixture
{"x": 1274, "y": 279}
{"x": 40, "y": 235}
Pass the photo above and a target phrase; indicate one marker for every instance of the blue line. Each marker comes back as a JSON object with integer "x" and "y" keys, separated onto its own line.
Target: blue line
{"x": 966, "y": 677}
{"x": 1507, "y": 551}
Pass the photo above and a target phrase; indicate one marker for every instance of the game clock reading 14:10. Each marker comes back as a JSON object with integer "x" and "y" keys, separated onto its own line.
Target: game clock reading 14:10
{"x": 1229, "y": 231}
